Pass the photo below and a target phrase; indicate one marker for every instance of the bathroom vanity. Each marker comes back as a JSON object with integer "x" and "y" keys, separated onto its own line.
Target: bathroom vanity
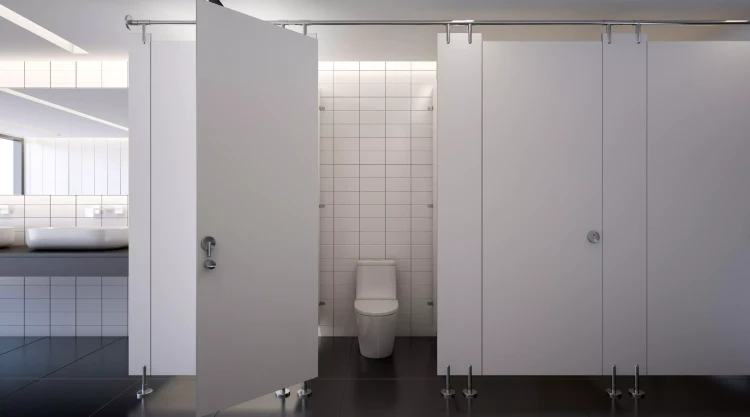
{"x": 23, "y": 261}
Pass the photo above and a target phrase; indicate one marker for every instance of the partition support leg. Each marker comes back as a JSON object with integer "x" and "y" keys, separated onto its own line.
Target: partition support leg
{"x": 304, "y": 392}
{"x": 447, "y": 392}
{"x": 145, "y": 390}
{"x": 613, "y": 392}
{"x": 469, "y": 392}
{"x": 636, "y": 392}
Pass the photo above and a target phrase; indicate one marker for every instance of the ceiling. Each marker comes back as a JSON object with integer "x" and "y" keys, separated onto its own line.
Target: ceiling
{"x": 23, "y": 118}
{"x": 97, "y": 25}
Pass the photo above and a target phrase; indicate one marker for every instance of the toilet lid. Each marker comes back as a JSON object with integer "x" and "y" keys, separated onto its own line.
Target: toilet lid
{"x": 376, "y": 307}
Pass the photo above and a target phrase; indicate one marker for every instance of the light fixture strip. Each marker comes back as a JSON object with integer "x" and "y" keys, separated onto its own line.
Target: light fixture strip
{"x": 61, "y": 108}
{"x": 43, "y": 33}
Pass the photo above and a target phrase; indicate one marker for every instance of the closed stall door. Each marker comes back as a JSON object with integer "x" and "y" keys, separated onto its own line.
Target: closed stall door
{"x": 698, "y": 208}
{"x": 542, "y": 195}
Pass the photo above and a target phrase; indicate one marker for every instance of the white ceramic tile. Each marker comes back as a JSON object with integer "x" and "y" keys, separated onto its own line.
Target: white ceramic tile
{"x": 89, "y": 305}
{"x": 62, "y": 281}
{"x": 398, "y": 210}
{"x": 397, "y": 90}
{"x": 397, "y": 65}
{"x": 37, "y": 281}
{"x": 63, "y": 199}
{"x": 421, "y": 277}
{"x": 346, "y": 144}
{"x": 11, "y": 281}
{"x": 346, "y": 65}
{"x": 397, "y": 171}
{"x": 422, "y": 90}
{"x": 326, "y": 184}
{"x": 346, "y": 210}
{"x": 35, "y": 292}
{"x": 326, "y": 117}
{"x": 345, "y": 157}
{"x": 372, "y": 117}
{"x": 372, "y": 197}
{"x": 89, "y": 331}
{"x": 345, "y": 224}
{"x": 344, "y": 265}
{"x": 397, "y": 157}
{"x": 114, "y": 319}
{"x": 327, "y": 103}
{"x": 325, "y": 77}
{"x": 421, "y": 251}
{"x": 326, "y": 197}
{"x": 422, "y": 104}
{"x": 12, "y": 199}
{"x": 421, "y": 184}
{"x": 345, "y": 277}
{"x": 346, "y": 171}
{"x": 326, "y": 238}
{"x": 325, "y": 291}
{"x": 398, "y": 77}
{"x": 15, "y": 222}
{"x": 326, "y": 171}
{"x": 38, "y": 199}
{"x": 373, "y": 224}
{"x": 114, "y": 331}
{"x": 345, "y": 117}
{"x": 372, "y": 131}
{"x": 326, "y": 224}
{"x": 346, "y": 251}
{"x": 63, "y": 319}
{"x": 346, "y": 184}
{"x": 398, "y": 144}
{"x": 397, "y": 197}
{"x": 421, "y": 197}
{"x": 88, "y": 200}
{"x": 114, "y": 291}
{"x": 326, "y": 131}
{"x": 421, "y": 157}
{"x": 345, "y": 77}
{"x": 421, "y": 117}
{"x": 403, "y": 264}
{"x": 88, "y": 291}
{"x": 346, "y": 90}
{"x": 371, "y": 65}
{"x": 66, "y": 331}
{"x": 326, "y": 265}
{"x": 346, "y": 197}
{"x": 11, "y": 319}
{"x": 37, "y": 211}
{"x": 11, "y": 331}
{"x": 345, "y": 131}
{"x": 19, "y": 239}
{"x": 372, "y": 144}
{"x": 398, "y": 251}
{"x": 372, "y": 210}
{"x": 423, "y": 66}
{"x": 372, "y": 77}
{"x": 88, "y": 281}
{"x": 424, "y": 77}
{"x": 397, "y": 225}
{"x": 421, "y": 225}
{"x": 372, "y": 157}
{"x": 372, "y": 251}
{"x": 344, "y": 291}
{"x": 399, "y": 104}
{"x": 372, "y": 90}
{"x": 34, "y": 331}
{"x": 345, "y": 104}
{"x": 403, "y": 278}
{"x": 118, "y": 281}
{"x": 421, "y": 144}
{"x": 346, "y": 238}
{"x": 372, "y": 103}
{"x": 63, "y": 222}
{"x": 373, "y": 238}
{"x": 397, "y": 238}
{"x": 421, "y": 238}
{"x": 325, "y": 65}
{"x": 398, "y": 184}
{"x": 421, "y": 171}
{"x": 67, "y": 210}
{"x": 63, "y": 305}
{"x": 326, "y": 277}
{"x": 372, "y": 184}
{"x": 88, "y": 222}
{"x": 372, "y": 171}
{"x": 325, "y": 331}
{"x": 326, "y": 211}
{"x": 421, "y": 210}
{"x": 325, "y": 90}
{"x": 326, "y": 252}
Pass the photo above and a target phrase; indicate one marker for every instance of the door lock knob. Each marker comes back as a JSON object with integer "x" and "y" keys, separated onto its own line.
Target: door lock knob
{"x": 209, "y": 264}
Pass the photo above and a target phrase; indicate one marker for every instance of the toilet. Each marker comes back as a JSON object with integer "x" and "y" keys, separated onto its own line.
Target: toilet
{"x": 377, "y": 307}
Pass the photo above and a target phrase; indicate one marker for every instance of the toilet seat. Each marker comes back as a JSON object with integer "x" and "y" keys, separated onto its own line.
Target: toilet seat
{"x": 376, "y": 308}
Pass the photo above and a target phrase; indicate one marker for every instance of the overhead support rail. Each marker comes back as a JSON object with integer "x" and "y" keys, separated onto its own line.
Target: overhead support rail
{"x": 469, "y": 24}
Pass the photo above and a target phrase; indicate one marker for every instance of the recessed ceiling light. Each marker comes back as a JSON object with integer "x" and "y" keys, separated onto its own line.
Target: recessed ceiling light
{"x": 32, "y": 27}
{"x": 65, "y": 109}
{"x": 737, "y": 21}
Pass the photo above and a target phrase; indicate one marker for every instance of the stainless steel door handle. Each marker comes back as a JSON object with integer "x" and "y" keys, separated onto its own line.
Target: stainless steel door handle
{"x": 209, "y": 264}
{"x": 207, "y": 243}
{"x": 593, "y": 236}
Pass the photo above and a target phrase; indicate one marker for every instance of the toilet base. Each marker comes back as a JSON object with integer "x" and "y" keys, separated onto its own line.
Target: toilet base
{"x": 376, "y": 335}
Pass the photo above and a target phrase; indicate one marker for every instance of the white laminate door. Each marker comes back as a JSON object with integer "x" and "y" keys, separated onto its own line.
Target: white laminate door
{"x": 257, "y": 193}
{"x": 542, "y": 194}
{"x": 698, "y": 208}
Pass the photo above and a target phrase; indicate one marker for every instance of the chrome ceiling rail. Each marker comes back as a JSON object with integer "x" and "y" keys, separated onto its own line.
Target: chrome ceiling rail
{"x": 129, "y": 21}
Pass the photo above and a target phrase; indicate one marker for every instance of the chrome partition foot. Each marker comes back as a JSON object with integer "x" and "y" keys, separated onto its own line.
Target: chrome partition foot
{"x": 304, "y": 392}
{"x": 469, "y": 392}
{"x": 635, "y": 392}
{"x": 613, "y": 392}
{"x": 447, "y": 392}
{"x": 283, "y": 393}
{"x": 144, "y": 391}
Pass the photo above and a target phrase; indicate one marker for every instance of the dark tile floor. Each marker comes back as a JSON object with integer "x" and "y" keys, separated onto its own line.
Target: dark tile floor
{"x": 88, "y": 377}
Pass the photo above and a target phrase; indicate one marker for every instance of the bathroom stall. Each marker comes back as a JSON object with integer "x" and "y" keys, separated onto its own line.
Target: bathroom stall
{"x": 224, "y": 222}
{"x": 593, "y": 206}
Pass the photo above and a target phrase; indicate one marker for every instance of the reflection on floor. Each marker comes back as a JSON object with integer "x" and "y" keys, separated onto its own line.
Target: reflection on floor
{"x": 88, "y": 377}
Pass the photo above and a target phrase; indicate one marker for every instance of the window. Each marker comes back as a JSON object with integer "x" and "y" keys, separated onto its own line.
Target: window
{"x": 10, "y": 166}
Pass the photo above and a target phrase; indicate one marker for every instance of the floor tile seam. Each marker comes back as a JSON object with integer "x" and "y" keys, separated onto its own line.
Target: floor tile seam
{"x": 82, "y": 357}
{"x": 115, "y": 398}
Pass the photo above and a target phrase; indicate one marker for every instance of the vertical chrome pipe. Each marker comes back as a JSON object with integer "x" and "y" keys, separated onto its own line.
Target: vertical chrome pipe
{"x": 470, "y": 392}
{"x": 636, "y": 392}
{"x": 609, "y": 33}
{"x": 304, "y": 30}
{"x": 638, "y": 32}
{"x": 613, "y": 392}
{"x": 145, "y": 390}
{"x": 447, "y": 33}
{"x": 447, "y": 391}
{"x": 469, "y": 30}
{"x": 304, "y": 392}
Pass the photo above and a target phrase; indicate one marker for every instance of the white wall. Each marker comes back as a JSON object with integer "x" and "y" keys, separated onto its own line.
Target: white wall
{"x": 7, "y": 166}
{"x": 376, "y": 139}
{"x": 86, "y": 166}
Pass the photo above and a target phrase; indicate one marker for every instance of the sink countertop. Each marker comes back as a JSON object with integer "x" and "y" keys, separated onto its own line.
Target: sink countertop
{"x": 26, "y": 252}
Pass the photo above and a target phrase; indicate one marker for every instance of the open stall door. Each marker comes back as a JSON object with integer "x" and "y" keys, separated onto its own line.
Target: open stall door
{"x": 257, "y": 193}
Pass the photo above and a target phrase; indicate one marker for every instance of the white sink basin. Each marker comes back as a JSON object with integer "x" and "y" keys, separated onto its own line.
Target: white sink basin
{"x": 7, "y": 235}
{"x": 78, "y": 238}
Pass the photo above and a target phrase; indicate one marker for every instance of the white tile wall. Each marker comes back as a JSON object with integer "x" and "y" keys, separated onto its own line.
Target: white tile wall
{"x": 376, "y": 186}
{"x": 25, "y": 212}
{"x": 87, "y": 166}
{"x": 64, "y": 74}
{"x": 63, "y": 306}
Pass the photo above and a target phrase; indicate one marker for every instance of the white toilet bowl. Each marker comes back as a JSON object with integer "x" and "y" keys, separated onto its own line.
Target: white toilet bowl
{"x": 377, "y": 307}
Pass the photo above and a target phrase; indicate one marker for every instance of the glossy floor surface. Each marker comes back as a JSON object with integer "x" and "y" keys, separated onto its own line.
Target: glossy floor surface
{"x": 88, "y": 377}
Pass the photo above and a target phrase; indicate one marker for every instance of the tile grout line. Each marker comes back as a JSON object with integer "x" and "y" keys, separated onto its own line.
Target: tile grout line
{"x": 116, "y": 397}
